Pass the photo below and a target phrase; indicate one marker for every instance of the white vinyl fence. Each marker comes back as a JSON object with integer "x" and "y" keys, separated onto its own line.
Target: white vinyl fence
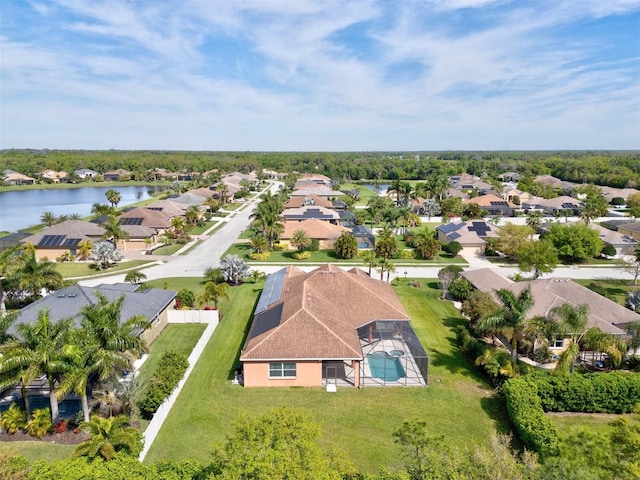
{"x": 160, "y": 416}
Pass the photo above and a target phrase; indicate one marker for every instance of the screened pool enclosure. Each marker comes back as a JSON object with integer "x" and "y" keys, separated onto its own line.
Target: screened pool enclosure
{"x": 392, "y": 355}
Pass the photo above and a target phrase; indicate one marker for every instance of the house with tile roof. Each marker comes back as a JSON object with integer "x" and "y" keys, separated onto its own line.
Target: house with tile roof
{"x": 549, "y": 293}
{"x": 11, "y": 177}
{"x": 331, "y": 327}
{"x": 297, "y": 202}
{"x": 144, "y": 227}
{"x": 321, "y": 230}
{"x": 471, "y": 235}
{"x": 116, "y": 175}
{"x": 311, "y": 211}
{"x": 494, "y": 205}
{"x": 318, "y": 190}
{"x": 53, "y": 176}
{"x": 64, "y": 237}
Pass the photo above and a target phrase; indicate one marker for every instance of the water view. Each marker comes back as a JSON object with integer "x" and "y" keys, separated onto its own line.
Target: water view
{"x": 23, "y": 208}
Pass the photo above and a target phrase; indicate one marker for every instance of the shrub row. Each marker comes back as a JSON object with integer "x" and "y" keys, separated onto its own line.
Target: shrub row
{"x": 615, "y": 392}
{"x": 171, "y": 369}
{"x": 537, "y": 432}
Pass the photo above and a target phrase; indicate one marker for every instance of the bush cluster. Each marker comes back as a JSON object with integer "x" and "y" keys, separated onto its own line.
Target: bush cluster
{"x": 171, "y": 369}
{"x": 259, "y": 256}
{"x": 615, "y": 392}
{"x": 537, "y": 432}
{"x": 406, "y": 253}
{"x": 470, "y": 345}
{"x": 304, "y": 255}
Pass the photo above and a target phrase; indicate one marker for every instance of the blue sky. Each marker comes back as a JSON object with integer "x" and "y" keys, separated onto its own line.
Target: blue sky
{"x": 320, "y": 75}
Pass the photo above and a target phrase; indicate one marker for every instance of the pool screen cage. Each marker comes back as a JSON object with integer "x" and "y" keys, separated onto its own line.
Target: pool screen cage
{"x": 393, "y": 354}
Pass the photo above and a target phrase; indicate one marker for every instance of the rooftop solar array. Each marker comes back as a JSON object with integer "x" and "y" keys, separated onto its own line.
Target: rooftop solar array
{"x": 157, "y": 209}
{"x": 71, "y": 242}
{"x": 499, "y": 204}
{"x": 265, "y": 321}
{"x": 51, "y": 240}
{"x": 272, "y": 290}
{"x": 450, "y": 227}
{"x": 131, "y": 221}
{"x": 572, "y": 206}
{"x": 480, "y": 228}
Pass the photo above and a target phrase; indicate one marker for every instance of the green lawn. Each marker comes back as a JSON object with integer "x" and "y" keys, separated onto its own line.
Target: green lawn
{"x": 179, "y": 337}
{"x": 329, "y": 256}
{"x": 573, "y": 423}
{"x": 38, "y": 450}
{"x": 457, "y": 404}
{"x": 85, "y": 269}
{"x": 168, "y": 249}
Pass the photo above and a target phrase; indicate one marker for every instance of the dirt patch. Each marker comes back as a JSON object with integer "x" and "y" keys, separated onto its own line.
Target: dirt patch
{"x": 65, "y": 438}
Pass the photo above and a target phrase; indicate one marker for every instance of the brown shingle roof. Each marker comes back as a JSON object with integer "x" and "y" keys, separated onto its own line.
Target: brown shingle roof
{"x": 318, "y": 313}
{"x": 296, "y": 202}
{"x": 150, "y": 218}
{"x": 70, "y": 229}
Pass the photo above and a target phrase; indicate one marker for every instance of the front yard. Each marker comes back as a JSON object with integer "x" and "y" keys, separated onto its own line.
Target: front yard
{"x": 457, "y": 404}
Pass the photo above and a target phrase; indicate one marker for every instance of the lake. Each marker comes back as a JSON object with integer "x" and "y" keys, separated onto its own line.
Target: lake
{"x": 23, "y": 208}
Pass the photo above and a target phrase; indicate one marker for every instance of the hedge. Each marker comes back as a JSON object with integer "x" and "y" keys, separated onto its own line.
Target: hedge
{"x": 537, "y": 432}
{"x": 171, "y": 369}
{"x": 615, "y": 392}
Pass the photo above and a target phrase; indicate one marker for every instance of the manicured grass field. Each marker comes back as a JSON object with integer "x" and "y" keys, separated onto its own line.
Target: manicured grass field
{"x": 84, "y": 269}
{"x": 572, "y": 423}
{"x": 615, "y": 290}
{"x": 179, "y": 337}
{"x": 37, "y": 450}
{"x": 456, "y": 404}
{"x": 329, "y": 256}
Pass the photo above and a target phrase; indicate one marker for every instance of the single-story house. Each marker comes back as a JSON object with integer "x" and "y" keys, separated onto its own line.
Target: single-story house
{"x": 143, "y": 227}
{"x": 64, "y": 237}
{"x": 609, "y": 193}
{"x": 631, "y": 229}
{"x": 86, "y": 173}
{"x": 331, "y": 327}
{"x": 312, "y": 178}
{"x": 549, "y": 293}
{"x": 481, "y": 187}
{"x": 152, "y": 303}
{"x": 565, "y": 187}
{"x": 510, "y": 193}
{"x": 318, "y": 190}
{"x": 168, "y": 208}
{"x": 325, "y": 232}
{"x": 511, "y": 177}
{"x": 53, "y": 176}
{"x": 115, "y": 175}
{"x": 11, "y": 177}
{"x": 273, "y": 175}
{"x": 297, "y": 202}
{"x": 311, "y": 211}
{"x": 552, "y": 206}
{"x": 470, "y": 235}
{"x": 624, "y": 244}
{"x": 494, "y": 205}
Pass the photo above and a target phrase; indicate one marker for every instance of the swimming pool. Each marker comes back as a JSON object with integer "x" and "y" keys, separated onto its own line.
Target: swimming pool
{"x": 385, "y": 367}
{"x": 67, "y": 407}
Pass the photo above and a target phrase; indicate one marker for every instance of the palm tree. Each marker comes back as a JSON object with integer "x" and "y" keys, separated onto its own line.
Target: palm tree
{"x": 38, "y": 351}
{"x": 572, "y": 321}
{"x": 113, "y": 231}
{"x": 48, "y": 218}
{"x": 108, "y": 437}
{"x": 223, "y": 189}
{"x": 613, "y": 346}
{"x": 8, "y": 267}
{"x": 534, "y": 220}
{"x": 426, "y": 244}
{"x": 135, "y": 277}
{"x": 268, "y": 222}
{"x": 259, "y": 243}
{"x": 300, "y": 240}
{"x": 84, "y": 249}
{"x": 102, "y": 209}
{"x": 113, "y": 197}
{"x": 212, "y": 204}
{"x": 510, "y": 318}
{"x": 386, "y": 244}
{"x": 192, "y": 214}
{"x": 369, "y": 259}
{"x": 179, "y": 225}
{"x": 214, "y": 292}
{"x": 32, "y": 275}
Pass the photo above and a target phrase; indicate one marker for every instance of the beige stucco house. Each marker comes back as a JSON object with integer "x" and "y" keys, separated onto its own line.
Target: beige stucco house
{"x": 63, "y": 237}
{"x": 331, "y": 326}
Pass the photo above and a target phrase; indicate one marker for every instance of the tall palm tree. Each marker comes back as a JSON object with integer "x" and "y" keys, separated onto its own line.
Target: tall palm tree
{"x": 32, "y": 275}
{"x": 39, "y": 350}
{"x": 368, "y": 259}
{"x": 572, "y": 321}
{"x": 108, "y": 437}
{"x": 510, "y": 318}
{"x": 534, "y": 220}
{"x": 48, "y": 218}
{"x": 267, "y": 220}
{"x": 259, "y": 243}
{"x": 191, "y": 215}
{"x": 212, "y": 204}
{"x": 113, "y": 231}
{"x": 113, "y": 197}
{"x": 386, "y": 244}
{"x": 223, "y": 189}
{"x": 214, "y": 292}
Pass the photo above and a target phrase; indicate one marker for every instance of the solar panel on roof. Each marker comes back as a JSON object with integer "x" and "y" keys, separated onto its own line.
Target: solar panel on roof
{"x": 502, "y": 204}
{"x": 157, "y": 209}
{"x": 454, "y": 235}
{"x": 480, "y": 228}
{"x": 272, "y": 290}
{"x": 265, "y": 321}
{"x": 51, "y": 240}
{"x": 569, "y": 205}
{"x": 72, "y": 242}
{"x": 131, "y": 221}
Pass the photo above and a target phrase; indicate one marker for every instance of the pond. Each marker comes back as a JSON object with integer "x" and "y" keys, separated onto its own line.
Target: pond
{"x": 382, "y": 187}
{"x": 23, "y": 208}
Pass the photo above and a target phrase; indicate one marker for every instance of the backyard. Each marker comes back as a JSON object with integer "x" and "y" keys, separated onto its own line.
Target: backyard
{"x": 457, "y": 404}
